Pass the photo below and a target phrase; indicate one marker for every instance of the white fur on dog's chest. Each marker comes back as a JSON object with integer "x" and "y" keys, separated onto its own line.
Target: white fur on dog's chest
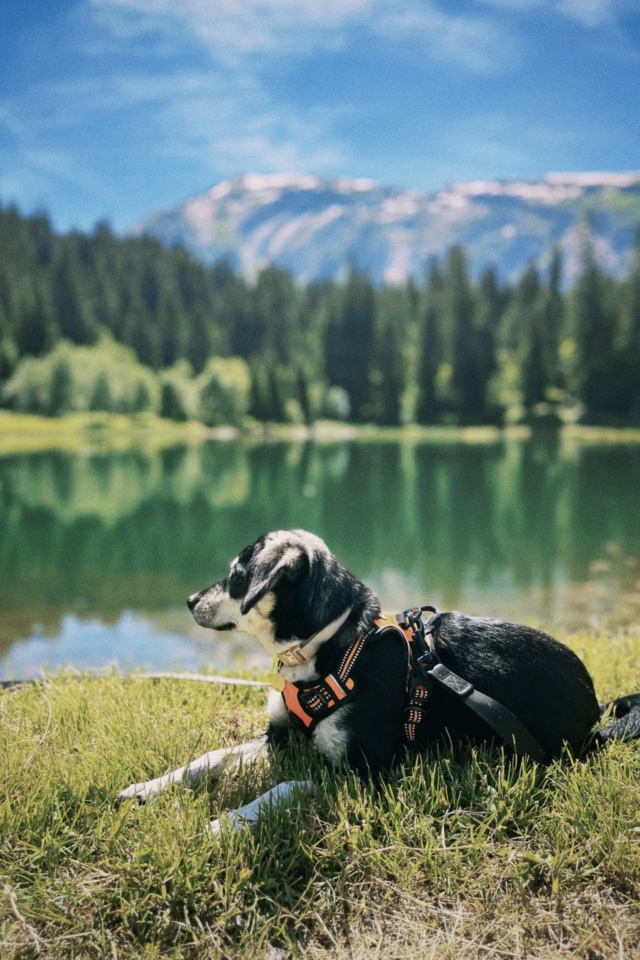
{"x": 331, "y": 736}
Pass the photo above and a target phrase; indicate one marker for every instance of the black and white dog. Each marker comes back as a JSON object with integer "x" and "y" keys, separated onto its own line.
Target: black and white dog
{"x": 289, "y": 591}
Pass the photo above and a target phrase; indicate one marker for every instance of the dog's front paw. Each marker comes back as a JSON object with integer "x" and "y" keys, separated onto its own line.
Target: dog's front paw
{"x": 283, "y": 794}
{"x": 215, "y": 827}
{"x": 142, "y": 791}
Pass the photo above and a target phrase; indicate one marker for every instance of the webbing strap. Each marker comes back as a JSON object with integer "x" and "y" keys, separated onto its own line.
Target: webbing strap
{"x": 418, "y": 688}
{"x": 494, "y": 714}
{"x": 309, "y": 703}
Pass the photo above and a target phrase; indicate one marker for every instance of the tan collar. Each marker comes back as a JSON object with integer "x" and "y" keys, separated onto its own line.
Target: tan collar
{"x": 304, "y": 651}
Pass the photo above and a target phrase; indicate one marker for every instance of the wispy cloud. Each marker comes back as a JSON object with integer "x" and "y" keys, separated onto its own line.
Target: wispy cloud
{"x": 228, "y": 110}
{"x": 223, "y": 110}
{"x": 231, "y": 29}
{"x": 589, "y": 13}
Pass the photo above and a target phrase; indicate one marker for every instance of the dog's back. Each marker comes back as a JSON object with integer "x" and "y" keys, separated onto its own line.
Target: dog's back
{"x": 537, "y": 678}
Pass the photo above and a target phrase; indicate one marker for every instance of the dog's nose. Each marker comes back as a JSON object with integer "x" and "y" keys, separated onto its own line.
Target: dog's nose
{"x": 193, "y": 600}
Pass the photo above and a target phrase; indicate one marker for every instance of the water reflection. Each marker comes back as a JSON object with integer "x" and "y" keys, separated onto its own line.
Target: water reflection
{"x": 475, "y": 527}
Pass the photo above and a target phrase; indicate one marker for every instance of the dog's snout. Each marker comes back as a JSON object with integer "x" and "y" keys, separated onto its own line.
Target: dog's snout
{"x": 192, "y": 602}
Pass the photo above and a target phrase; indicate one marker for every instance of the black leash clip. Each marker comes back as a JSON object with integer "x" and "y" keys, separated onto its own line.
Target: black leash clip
{"x": 424, "y": 656}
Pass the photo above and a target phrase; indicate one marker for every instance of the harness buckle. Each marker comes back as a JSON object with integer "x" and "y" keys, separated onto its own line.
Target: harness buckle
{"x": 427, "y": 660}
{"x": 423, "y": 655}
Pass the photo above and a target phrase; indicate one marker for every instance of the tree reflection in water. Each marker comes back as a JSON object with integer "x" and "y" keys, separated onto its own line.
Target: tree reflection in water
{"x": 490, "y": 528}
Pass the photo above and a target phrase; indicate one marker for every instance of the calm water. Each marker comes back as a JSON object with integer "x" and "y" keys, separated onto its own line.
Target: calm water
{"x": 99, "y": 552}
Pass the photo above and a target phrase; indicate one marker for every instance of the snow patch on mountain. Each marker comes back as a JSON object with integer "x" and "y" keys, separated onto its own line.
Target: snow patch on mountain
{"x": 317, "y": 228}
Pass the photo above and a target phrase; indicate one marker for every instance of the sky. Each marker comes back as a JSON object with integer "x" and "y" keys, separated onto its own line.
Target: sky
{"x": 111, "y": 109}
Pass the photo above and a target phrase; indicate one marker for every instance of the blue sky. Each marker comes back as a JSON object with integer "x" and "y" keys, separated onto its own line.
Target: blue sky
{"x": 112, "y": 108}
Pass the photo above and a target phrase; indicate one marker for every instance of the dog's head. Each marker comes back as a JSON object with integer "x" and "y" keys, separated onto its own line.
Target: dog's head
{"x": 284, "y": 587}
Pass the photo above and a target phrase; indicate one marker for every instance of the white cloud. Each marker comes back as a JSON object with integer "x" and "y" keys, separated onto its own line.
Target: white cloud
{"x": 474, "y": 44}
{"x": 589, "y": 13}
{"x": 234, "y": 127}
{"x": 232, "y": 30}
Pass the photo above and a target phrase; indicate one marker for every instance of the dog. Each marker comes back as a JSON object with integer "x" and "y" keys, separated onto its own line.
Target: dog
{"x": 290, "y": 592}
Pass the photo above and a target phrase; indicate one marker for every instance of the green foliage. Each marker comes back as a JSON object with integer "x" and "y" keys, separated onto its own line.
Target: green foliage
{"x": 179, "y": 393}
{"x": 224, "y": 388}
{"x": 336, "y": 404}
{"x": 60, "y": 387}
{"x": 595, "y": 332}
{"x": 455, "y": 350}
{"x": 103, "y": 377}
{"x": 282, "y": 394}
{"x": 431, "y": 349}
{"x": 8, "y": 357}
{"x": 349, "y": 341}
{"x": 393, "y": 370}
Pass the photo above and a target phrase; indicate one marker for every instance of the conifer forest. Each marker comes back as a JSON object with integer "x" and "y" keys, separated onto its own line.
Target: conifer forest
{"x": 97, "y": 322}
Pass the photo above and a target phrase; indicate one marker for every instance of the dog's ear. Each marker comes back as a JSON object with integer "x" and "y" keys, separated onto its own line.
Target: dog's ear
{"x": 272, "y": 564}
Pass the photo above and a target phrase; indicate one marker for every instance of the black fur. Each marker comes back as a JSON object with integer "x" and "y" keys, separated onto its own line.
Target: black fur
{"x": 539, "y": 679}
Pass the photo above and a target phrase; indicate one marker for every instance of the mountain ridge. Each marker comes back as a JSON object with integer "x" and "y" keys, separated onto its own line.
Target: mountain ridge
{"x": 316, "y": 228}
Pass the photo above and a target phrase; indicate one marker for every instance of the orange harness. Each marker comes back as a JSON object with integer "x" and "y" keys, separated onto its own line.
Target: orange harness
{"x": 309, "y": 703}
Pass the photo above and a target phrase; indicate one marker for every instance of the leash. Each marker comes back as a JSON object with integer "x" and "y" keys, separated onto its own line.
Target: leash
{"x": 310, "y": 702}
{"x": 200, "y": 677}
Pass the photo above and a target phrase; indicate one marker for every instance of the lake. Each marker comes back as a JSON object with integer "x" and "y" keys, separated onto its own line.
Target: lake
{"x": 98, "y": 552}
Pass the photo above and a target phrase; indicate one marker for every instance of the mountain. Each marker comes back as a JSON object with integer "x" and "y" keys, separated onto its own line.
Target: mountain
{"x": 317, "y": 228}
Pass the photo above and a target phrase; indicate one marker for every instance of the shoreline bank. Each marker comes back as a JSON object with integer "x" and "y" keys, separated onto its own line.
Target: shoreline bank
{"x": 81, "y": 432}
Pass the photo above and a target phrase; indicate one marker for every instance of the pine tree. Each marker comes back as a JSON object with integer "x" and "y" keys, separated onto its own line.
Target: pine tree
{"x": 72, "y": 315}
{"x": 554, "y": 319}
{"x": 171, "y": 403}
{"x": 101, "y": 397}
{"x": 8, "y": 357}
{"x": 61, "y": 388}
{"x": 542, "y": 322}
{"x": 349, "y": 340}
{"x": 629, "y": 311}
{"x": 259, "y": 401}
{"x": 35, "y": 329}
{"x": 597, "y": 369}
{"x": 303, "y": 395}
{"x": 431, "y": 351}
{"x": 276, "y": 398}
{"x": 141, "y": 398}
{"x": 275, "y": 313}
{"x": 471, "y": 351}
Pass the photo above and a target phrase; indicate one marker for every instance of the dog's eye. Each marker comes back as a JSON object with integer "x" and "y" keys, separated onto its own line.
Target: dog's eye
{"x": 237, "y": 582}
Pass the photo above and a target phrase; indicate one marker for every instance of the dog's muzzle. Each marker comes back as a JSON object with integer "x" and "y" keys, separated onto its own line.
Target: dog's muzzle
{"x": 192, "y": 602}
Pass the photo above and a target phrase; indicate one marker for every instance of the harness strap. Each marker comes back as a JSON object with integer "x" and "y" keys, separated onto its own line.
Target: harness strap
{"x": 413, "y": 631}
{"x": 309, "y": 703}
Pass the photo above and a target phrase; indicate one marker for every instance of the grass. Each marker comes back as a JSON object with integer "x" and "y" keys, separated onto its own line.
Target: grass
{"x": 462, "y": 854}
{"x": 78, "y": 432}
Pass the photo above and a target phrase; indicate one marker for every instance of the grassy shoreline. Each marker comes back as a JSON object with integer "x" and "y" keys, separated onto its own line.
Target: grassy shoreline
{"x": 30, "y": 433}
{"x": 463, "y": 854}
